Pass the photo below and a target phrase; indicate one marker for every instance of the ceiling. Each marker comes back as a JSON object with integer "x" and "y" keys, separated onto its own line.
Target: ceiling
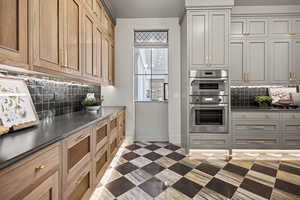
{"x": 172, "y": 8}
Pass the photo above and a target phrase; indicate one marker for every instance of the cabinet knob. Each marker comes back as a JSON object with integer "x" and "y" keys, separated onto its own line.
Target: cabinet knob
{"x": 39, "y": 168}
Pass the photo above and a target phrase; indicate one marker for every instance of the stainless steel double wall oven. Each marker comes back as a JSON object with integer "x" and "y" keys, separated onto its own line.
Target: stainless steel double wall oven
{"x": 209, "y": 101}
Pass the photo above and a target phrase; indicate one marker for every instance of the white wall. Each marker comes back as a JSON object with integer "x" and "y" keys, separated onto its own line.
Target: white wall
{"x": 123, "y": 92}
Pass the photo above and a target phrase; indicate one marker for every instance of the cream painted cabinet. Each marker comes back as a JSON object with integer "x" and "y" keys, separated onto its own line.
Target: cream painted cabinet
{"x": 288, "y": 26}
{"x": 296, "y": 26}
{"x": 209, "y": 38}
{"x": 13, "y": 32}
{"x": 296, "y": 60}
{"x": 248, "y": 61}
{"x": 46, "y": 35}
{"x": 249, "y": 27}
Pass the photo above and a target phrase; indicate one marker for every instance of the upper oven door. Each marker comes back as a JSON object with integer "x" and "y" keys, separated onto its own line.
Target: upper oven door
{"x": 209, "y": 119}
{"x": 208, "y": 87}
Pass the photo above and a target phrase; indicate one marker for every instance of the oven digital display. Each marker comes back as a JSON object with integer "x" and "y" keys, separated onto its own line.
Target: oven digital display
{"x": 208, "y": 86}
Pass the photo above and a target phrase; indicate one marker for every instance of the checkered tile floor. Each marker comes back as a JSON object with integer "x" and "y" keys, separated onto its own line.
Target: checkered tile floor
{"x": 143, "y": 171}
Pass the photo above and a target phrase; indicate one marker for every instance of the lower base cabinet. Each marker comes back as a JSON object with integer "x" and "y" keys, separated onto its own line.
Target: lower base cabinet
{"x": 69, "y": 169}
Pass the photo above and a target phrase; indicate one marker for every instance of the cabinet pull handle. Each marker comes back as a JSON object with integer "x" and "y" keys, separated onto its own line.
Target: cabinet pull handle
{"x": 256, "y": 127}
{"x": 291, "y": 33}
{"x": 256, "y": 142}
{"x": 79, "y": 137}
{"x": 208, "y": 142}
{"x": 39, "y": 168}
{"x": 206, "y": 60}
{"x": 291, "y": 76}
{"x": 295, "y": 77}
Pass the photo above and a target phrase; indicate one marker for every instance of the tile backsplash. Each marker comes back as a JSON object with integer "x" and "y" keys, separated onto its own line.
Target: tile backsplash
{"x": 54, "y": 97}
{"x": 245, "y": 95}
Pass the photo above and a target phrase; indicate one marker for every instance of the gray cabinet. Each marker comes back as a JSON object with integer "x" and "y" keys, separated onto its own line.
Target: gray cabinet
{"x": 209, "y": 141}
{"x": 209, "y": 38}
{"x": 266, "y": 130}
{"x": 248, "y": 60}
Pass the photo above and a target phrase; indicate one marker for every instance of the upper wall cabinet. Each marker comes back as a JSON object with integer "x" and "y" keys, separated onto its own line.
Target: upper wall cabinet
{"x": 13, "y": 32}
{"x": 285, "y": 26}
{"x": 209, "y": 38}
{"x": 250, "y": 27}
{"x": 46, "y": 38}
{"x": 73, "y": 37}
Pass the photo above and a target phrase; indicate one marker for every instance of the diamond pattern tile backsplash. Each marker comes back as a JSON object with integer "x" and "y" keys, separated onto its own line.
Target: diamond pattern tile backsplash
{"x": 53, "y": 98}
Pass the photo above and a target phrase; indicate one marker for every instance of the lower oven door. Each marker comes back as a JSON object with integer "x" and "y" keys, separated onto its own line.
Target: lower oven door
{"x": 209, "y": 119}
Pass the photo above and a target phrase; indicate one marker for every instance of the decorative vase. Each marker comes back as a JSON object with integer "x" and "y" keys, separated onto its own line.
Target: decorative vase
{"x": 92, "y": 108}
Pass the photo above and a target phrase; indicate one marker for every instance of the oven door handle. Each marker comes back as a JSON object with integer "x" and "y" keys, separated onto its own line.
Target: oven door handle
{"x": 209, "y": 106}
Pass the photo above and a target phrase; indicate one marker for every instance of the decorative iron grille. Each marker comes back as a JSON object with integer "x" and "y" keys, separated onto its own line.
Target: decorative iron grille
{"x": 151, "y": 37}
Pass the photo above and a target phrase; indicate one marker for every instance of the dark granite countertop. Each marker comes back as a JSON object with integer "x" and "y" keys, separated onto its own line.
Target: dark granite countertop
{"x": 255, "y": 108}
{"x": 17, "y": 145}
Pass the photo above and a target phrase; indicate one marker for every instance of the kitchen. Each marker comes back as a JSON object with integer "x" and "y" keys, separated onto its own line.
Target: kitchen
{"x": 140, "y": 99}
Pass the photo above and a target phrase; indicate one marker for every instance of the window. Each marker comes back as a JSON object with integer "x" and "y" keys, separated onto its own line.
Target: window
{"x": 151, "y": 65}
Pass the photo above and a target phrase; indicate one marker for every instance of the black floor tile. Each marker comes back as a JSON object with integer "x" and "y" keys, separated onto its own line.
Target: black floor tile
{"x": 289, "y": 169}
{"x": 152, "y": 147}
{"x": 287, "y": 187}
{"x": 153, "y": 156}
{"x": 175, "y": 156}
{"x": 187, "y": 187}
{"x": 257, "y": 188}
{"x": 126, "y": 168}
{"x": 265, "y": 170}
{"x": 221, "y": 187}
{"x": 153, "y": 187}
{"x": 130, "y": 156}
{"x": 119, "y": 186}
{"x": 172, "y": 147}
{"x": 153, "y": 168}
{"x": 180, "y": 169}
{"x": 207, "y": 168}
{"x": 236, "y": 169}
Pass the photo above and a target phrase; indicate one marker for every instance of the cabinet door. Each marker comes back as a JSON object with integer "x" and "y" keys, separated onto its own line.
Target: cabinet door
{"x": 280, "y": 27}
{"x": 76, "y": 153}
{"x": 105, "y": 59}
{"x": 198, "y": 25}
{"x": 13, "y": 32}
{"x": 296, "y": 26}
{"x": 47, "y": 190}
{"x": 90, "y": 70}
{"x": 257, "y": 27}
{"x": 111, "y": 69}
{"x": 46, "y": 33}
{"x": 73, "y": 36}
{"x": 296, "y": 59}
{"x": 281, "y": 60}
{"x": 218, "y": 38}
{"x": 256, "y": 61}
{"x": 238, "y": 27}
{"x": 98, "y": 53}
{"x": 237, "y": 60}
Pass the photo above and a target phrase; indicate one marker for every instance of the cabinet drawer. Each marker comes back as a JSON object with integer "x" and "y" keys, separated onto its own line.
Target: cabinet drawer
{"x": 291, "y": 116}
{"x": 255, "y": 127}
{"x": 255, "y": 115}
{"x": 76, "y": 152}
{"x": 16, "y": 178}
{"x": 80, "y": 187}
{"x": 101, "y": 132}
{"x": 256, "y": 142}
{"x": 292, "y": 127}
{"x": 206, "y": 141}
{"x": 101, "y": 163}
{"x": 291, "y": 141}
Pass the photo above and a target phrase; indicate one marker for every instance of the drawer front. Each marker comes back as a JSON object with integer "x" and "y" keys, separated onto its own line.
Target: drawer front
{"x": 207, "y": 141}
{"x": 80, "y": 187}
{"x": 256, "y": 142}
{"x": 101, "y": 132}
{"x": 255, "y": 115}
{"x": 16, "y": 179}
{"x": 76, "y": 152}
{"x": 291, "y": 141}
{"x": 291, "y": 116}
{"x": 292, "y": 127}
{"x": 101, "y": 163}
{"x": 255, "y": 127}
